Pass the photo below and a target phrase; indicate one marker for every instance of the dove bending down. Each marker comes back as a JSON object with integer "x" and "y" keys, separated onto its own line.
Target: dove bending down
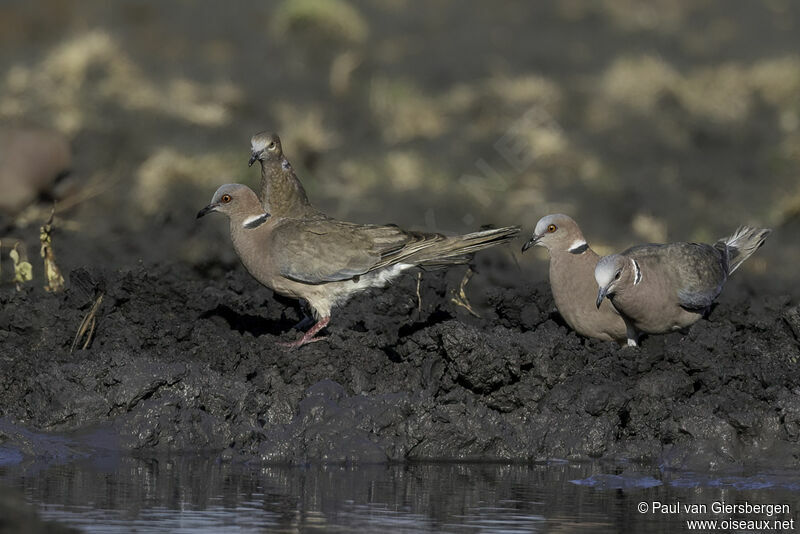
{"x": 572, "y": 264}
{"x": 325, "y": 261}
{"x": 660, "y": 288}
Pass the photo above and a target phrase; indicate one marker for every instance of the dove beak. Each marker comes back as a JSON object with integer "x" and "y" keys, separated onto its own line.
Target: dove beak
{"x": 208, "y": 209}
{"x": 601, "y": 295}
{"x": 531, "y": 242}
{"x": 253, "y": 158}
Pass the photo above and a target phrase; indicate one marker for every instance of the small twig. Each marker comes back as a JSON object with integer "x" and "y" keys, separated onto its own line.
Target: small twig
{"x": 88, "y": 325}
{"x": 461, "y": 299}
{"x": 98, "y": 184}
{"x": 419, "y": 297}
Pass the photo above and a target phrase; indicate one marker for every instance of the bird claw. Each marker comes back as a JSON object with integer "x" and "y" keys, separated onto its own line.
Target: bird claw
{"x": 308, "y": 337}
{"x": 461, "y": 298}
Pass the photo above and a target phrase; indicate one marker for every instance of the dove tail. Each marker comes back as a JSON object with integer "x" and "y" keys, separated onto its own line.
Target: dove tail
{"x": 459, "y": 249}
{"x": 741, "y": 245}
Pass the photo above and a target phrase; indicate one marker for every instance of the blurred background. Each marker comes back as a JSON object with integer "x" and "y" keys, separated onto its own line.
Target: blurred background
{"x": 645, "y": 121}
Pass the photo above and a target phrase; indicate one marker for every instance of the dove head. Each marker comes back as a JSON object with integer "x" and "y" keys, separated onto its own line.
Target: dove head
{"x": 611, "y": 274}
{"x": 557, "y": 232}
{"x": 265, "y": 146}
{"x": 239, "y": 203}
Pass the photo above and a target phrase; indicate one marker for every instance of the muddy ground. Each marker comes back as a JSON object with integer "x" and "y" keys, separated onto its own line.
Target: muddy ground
{"x": 646, "y": 122}
{"x": 187, "y": 359}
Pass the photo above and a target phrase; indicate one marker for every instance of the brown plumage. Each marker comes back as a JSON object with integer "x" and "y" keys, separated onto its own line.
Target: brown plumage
{"x": 572, "y": 264}
{"x": 31, "y": 162}
{"x": 325, "y": 261}
{"x": 281, "y": 192}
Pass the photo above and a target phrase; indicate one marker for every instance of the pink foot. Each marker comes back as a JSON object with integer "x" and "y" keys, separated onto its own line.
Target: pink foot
{"x": 308, "y": 337}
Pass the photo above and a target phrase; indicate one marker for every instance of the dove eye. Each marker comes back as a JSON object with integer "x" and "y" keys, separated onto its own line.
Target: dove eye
{"x": 551, "y": 228}
{"x": 225, "y": 199}
{"x": 616, "y": 276}
{"x": 271, "y": 145}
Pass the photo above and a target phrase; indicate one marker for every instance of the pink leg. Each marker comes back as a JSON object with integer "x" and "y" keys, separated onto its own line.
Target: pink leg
{"x": 308, "y": 337}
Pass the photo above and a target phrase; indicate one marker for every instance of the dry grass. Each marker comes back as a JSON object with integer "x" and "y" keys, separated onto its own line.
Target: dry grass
{"x": 166, "y": 168}
{"x": 333, "y": 19}
{"x": 23, "y": 270}
{"x": 649, "y": 228}
{"x": 52, "y": 274}
{"x": 722, "y": 93}
{"x": 88, "y": 325}
{"x": 403, "y": 112}
{"x": 72, "y": 81}
{"x": 303, "y": 126}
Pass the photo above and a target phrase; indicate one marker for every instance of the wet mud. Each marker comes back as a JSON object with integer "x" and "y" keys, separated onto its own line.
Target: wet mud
{"x": 186, "y": 359}
{"x": 664, "y": 122}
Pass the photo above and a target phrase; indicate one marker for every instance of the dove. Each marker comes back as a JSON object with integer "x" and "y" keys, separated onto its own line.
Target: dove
{"x": 572, "y": 264}
{"x": 660, "y": 288}
{"x": 324, "y": 261}
{"x": 32, "y": 160}
{"x": 281, "y": 192}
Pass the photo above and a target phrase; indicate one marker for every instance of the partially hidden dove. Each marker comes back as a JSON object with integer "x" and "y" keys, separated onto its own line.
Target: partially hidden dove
{"x": 280, "y": 191}
{"x": 572, "y": 264}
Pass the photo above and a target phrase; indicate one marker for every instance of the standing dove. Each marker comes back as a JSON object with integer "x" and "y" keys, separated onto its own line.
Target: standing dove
{"x": 325, "y": 261}
{"x": 572, "y": 265}
{"x": 660, "y": 288}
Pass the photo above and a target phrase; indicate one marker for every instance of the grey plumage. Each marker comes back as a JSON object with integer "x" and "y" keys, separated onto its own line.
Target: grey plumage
{"x": 572, "y": 265}
{"x": 741, "y": 245}
{"x": 659, "y": 288}
{"x": 325, "y": 261}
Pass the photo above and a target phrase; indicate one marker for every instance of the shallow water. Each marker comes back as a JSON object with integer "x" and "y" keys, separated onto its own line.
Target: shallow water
{"x": 195, "y": 494}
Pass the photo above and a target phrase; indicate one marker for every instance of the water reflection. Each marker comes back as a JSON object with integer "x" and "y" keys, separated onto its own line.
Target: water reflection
{"x": 194, "y": 494}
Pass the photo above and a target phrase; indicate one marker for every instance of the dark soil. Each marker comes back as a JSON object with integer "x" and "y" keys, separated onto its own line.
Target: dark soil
{"x": 186, "y": 359}
{"x": 657, "y": 122}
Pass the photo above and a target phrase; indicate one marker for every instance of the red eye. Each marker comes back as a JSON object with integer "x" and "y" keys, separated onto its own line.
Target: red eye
{"x": 225, "y": 199}
{"x": 551, "y": 228}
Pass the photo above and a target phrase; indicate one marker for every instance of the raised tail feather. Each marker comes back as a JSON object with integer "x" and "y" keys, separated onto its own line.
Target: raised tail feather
{"x": 741, "y": 245}
{"x": 459, "y": 249}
